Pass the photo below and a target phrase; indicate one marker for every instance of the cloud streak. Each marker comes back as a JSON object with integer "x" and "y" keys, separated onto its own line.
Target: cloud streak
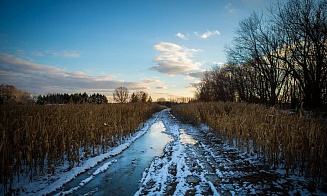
{"x": 173, "y": 59}
{"x": 38, "y": 78}
{"x": 207, "y": 34}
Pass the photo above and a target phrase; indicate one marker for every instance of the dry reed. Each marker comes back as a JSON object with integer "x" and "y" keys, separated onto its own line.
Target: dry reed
{"x": 295, "y": 143}
{"x": 36, "y": 139}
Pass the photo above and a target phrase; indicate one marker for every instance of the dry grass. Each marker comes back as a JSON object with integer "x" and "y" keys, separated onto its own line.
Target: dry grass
{"x": 36, "y": 139}
{"x": 295, "y": 143}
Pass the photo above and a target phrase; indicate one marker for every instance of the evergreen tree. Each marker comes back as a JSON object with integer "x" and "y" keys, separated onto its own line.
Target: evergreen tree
{"x": 134, "y": 98}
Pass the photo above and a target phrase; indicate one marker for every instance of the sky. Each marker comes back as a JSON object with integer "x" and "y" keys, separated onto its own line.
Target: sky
{"x": 75, "y": 46}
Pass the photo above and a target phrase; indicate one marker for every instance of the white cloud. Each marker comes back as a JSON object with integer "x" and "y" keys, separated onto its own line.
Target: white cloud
{"x": 38, "y": 78}
{"x": 198, "y": 74}
{"x": 181, "y": 35}
{"x": 104, "y": 78}
{"x": 207, "y": 34}
{"x": 151, "y": 81}
{"x": 78, "y": 74}
{"x": 26, "y": 67}
{"x": 166, "y": 47}
{"x": 173, "y": 59}
{"x": 155, "y": 83}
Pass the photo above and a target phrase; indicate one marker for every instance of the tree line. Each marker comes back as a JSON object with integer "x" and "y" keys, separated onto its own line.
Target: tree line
{"x": 77, "y": 98}
{"x": 121, "y": 95}
{"x": 276, "y": 57}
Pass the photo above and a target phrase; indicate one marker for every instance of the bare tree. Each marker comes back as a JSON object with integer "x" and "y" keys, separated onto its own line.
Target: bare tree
{"x": 121, "y": 95}
{"x": 283, "y": 54}
{"x": 216, "y": 85}
{"x": 304, "y": 24}
{"x": 11, "y": 94}
{"x": 280, "y": 56}
{"x": 256, "y": 45}
{"x": 204, "y": 90}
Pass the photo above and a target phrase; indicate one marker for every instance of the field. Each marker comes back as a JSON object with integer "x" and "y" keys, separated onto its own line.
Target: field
{"x": 292, "y": 142}
{"x": 35, "y": 139}
{"x": 50, "y": 140}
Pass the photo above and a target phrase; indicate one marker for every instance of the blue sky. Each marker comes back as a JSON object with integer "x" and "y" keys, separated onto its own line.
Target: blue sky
{"x": 160, "y": 47}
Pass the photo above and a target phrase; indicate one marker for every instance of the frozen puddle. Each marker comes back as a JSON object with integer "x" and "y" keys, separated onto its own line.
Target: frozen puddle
{"x": 120, "y": 175}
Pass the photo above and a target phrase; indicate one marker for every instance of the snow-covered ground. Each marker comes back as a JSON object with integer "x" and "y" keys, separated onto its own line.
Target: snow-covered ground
{"x": 196, "y": 162}
{"x": 200, "y": 163}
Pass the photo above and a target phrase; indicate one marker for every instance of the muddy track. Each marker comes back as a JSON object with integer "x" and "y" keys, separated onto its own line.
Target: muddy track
{"x": 198, "y": 162}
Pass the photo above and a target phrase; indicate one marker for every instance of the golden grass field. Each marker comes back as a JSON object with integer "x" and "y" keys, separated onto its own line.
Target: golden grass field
{"x": 296, "y": 143}
{"x": 35, "y": 139}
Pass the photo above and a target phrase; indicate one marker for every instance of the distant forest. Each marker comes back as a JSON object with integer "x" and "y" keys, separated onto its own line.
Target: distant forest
{"x": 9, "y": 94}
{"x": 76, "y": 98}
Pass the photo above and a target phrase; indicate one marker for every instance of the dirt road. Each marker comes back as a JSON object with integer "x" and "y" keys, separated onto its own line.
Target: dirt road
{"x": 198, "y": 162}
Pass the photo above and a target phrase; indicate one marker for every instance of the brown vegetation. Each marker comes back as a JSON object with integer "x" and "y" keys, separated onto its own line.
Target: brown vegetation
{"x": 9, "y": 94}
{"x": 293, "y": 142}
{"x": 36, "y": 139}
